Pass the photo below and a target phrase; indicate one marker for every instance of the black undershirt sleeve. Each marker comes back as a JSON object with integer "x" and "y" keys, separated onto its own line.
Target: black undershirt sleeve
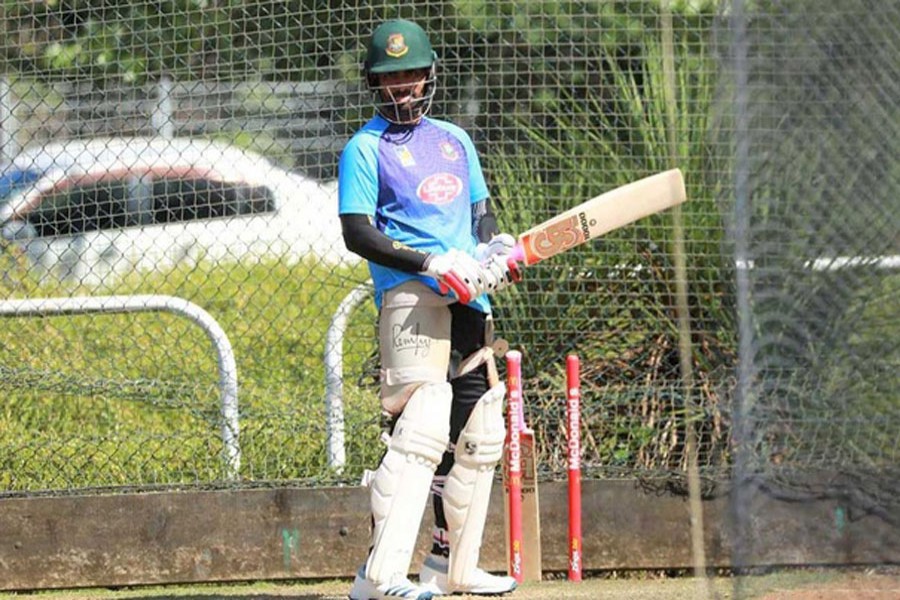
{"x": 484, "y": 223}
{"x": 363, "y": 238}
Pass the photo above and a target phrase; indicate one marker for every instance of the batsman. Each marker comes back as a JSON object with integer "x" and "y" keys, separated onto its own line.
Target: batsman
{"x": 414, "y": 203}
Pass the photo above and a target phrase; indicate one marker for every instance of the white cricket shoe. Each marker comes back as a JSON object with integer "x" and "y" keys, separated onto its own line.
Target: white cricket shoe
{"x": 433, "y": 577}
{"x": 399, "y": 587}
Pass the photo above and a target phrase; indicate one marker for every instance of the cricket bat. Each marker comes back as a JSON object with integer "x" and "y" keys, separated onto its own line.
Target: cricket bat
{"x": 591, "y": 219}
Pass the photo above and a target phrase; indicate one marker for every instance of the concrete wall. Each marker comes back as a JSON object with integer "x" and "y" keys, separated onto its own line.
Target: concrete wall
{"x": 151, "y": 538}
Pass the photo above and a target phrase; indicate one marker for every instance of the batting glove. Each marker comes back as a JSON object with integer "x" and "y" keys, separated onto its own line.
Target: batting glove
{"x": 501, "y": 271}
{"x": 459, "y": 272}
{"x": 502, "y": 243}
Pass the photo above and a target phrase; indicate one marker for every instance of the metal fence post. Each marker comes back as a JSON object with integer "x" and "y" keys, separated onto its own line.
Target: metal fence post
{"x": 8, "y": 124}
{"x": 334, "y": 373}
{"x": 228, "y": 384}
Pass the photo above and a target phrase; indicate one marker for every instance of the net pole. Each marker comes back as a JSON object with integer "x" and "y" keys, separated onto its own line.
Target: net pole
{"x": 741, "y": 227}
{"x": 685, "y": 350}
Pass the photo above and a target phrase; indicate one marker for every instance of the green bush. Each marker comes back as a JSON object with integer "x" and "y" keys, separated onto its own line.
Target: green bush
{"x": 613, "y": 301}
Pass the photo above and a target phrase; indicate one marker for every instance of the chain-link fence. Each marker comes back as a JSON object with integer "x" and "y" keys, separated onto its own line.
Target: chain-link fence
{"x": 189, "y": 150}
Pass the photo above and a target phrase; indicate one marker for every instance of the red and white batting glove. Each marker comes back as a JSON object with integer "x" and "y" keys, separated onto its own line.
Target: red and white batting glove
{"x": 459, "y": 272}
{"x": 495, "y": 257}
{"x": 501, "y": 271}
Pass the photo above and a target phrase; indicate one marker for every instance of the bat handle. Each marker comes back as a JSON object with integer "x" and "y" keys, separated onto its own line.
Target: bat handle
{"x": 451, "y": 282}
{"x": 513, "y": 260}
{"x": 517, "y": 254}
{"x": 515, "y": 271}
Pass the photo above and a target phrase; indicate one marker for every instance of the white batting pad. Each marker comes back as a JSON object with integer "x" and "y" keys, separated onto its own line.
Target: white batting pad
{"x": 468, "y": 487}
{"x": 401, "y": 485}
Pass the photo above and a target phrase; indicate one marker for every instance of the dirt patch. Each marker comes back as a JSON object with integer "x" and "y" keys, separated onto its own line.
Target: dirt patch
{"x": 847, "y": 587}
{"x": 810, "y": 584}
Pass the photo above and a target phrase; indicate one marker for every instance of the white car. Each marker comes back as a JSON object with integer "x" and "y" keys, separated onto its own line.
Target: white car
{"x": 89, "y": 210}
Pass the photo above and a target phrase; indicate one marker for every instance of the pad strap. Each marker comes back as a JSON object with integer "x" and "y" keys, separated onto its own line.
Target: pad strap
{"x": 481, "y": 356}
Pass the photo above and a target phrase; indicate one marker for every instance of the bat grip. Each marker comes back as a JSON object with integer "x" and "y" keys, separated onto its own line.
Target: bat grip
{"x": 517, "y": 253}
{"x": 515, "y": 271}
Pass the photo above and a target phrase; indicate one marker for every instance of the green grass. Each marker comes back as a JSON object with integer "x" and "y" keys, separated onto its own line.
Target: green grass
{"x": 131, "y": 399}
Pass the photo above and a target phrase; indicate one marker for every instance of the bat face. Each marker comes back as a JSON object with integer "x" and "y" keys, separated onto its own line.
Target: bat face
{"x": 602, "y": 214}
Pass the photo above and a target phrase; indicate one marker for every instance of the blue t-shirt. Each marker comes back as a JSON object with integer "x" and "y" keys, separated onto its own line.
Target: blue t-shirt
{"x": 418, "y": 184}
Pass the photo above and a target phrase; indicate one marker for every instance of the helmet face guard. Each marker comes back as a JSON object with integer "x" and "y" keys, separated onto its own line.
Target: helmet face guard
{"x": 403, "y": 112}
{"x": 398, "y": 46}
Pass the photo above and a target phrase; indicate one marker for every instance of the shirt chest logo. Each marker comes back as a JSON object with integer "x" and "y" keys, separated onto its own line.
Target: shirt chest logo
{"x": 440, "y": 188}
{"x": 405, "y": 156}
{"x": 449, "y": 151}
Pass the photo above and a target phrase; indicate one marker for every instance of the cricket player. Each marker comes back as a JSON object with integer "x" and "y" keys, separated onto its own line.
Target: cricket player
{"x": 413, "y": 202}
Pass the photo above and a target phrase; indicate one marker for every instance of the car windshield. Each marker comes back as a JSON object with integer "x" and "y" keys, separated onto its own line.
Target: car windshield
{"x": 14, "y": 179}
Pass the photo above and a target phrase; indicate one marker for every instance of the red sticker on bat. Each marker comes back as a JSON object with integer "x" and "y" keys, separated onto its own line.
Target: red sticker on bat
{"x": 556, "y": 238}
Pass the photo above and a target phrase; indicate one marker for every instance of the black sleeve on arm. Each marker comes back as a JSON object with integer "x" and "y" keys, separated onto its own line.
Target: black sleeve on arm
{"x": 363, "y": 238}
{"x": 484, "y": 223}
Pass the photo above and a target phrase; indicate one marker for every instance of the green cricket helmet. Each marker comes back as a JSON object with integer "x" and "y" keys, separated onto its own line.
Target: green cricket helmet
{"x": 396, "y": 46}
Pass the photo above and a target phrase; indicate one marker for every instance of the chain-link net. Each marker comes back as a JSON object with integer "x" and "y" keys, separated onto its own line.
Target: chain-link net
{"x": 189, "y": 150}
{"x": 114, "y": 187}
{"x": 815, "y": 112}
